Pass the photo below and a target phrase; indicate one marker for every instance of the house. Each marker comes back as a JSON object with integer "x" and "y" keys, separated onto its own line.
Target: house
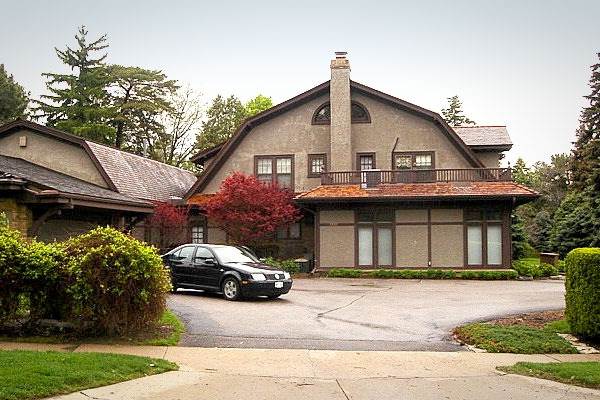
{"x": 382, "y": 182}
{"x": 54, "y": 184}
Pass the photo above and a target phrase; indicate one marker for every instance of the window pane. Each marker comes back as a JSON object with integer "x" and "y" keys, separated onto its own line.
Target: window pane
{"x": 317, "y": 165}
{"x": 295, "y": 231}
{"x": 423, "y": 161}
{"x": 384, "y": 246}
{"x": 493, "y": 215}
{"x": 494, "y": 245}
{"x": 197, "y": 234}
{"x": 186, "y": 252}
{"x": 403, "y": 162}
{"x": 284, "y": 181}
{"x": 284, "y": 165}
{"x": 264, "y": 166}
{"x": 474, "y": 256}
{"x": 264, "y": 178}
{"x": 366, "y": 162}
{"x": 365, "y": 245}
{"x": 201, "y": 252}
{"x": 281, "y": 233}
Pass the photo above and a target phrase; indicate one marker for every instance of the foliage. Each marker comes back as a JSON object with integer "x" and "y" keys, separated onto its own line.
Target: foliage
{"x": 420, "y": 274}
{"x": 454, "y": 114}
{"x": 257, "y": 105}
{"x": 223, "y": 118}
{"x": 249, "y": 210}
{"x": 170, "y": 222}
{"x": 12, "y": 261}
{"x": 586, "y": 163}
{"x": 36, "y": 374}
{"x": 513, "y": 339}
{"x": 586, "y": 374}
{"x": 560, "y": 326}
{"x": 582, "y": 296}
{"x": 518, "y": 239}
{"x": 576, "y": 222}
{"x": 533, "y": 268}
{"x": 14, "y": 99}
{"x": 79, "y": 102}
{"x": 285, "y": 265}
{"x": 117, "y": 284}
{"x": 176, "y": 327}
{"x": 138, "y": 96}
{"x": 3, "y": 220}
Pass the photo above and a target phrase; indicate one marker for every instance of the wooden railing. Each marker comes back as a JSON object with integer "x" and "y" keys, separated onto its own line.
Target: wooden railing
{"x": 375, "y": 177}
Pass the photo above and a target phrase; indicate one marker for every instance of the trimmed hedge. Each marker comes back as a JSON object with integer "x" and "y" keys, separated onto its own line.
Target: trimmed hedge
{"x": 533, "y": 268}
{"x": 583, "y": 292}
{"x": 421, "y": 274}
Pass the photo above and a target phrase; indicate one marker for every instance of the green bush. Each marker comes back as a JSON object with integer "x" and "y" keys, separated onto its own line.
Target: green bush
{"x": 583, "y": 292}
{"x": 285, "y": 265}
{"x": 117, "y": 285}
{"x": 561, "y": 266}
{"x": 344, "y": 273}
{"x": 421, "y": 274}
{"x": 3, "y": 220}
{"x": 533, "y": 268}
{"x": 12, "y": 260}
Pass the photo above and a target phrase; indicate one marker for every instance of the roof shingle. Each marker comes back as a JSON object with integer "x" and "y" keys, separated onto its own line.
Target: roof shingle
{"x": 483, "y": 135}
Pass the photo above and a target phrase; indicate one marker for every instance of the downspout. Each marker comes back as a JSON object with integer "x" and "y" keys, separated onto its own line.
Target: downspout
{"x": 315, "y": 234}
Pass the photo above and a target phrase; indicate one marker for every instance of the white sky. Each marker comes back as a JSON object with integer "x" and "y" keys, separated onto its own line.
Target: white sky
{"x": 521, "y": 63}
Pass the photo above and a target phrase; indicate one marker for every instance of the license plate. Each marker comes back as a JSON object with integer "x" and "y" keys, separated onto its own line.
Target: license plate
{"x": 278, "y": 285}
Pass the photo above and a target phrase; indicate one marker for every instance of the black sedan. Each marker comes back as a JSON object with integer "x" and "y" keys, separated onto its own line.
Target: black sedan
{"x": 231, "y": 270}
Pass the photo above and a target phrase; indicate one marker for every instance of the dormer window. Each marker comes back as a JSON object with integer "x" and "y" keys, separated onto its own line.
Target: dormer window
{"x": 322, "y": 115}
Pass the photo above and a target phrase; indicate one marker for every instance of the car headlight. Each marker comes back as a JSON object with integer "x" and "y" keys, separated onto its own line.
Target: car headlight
{"x": 286, "y": 275}
{"x": 259, "y": 277}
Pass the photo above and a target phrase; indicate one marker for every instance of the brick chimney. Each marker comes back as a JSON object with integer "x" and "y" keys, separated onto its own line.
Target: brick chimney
{"x": 339, "y": 98}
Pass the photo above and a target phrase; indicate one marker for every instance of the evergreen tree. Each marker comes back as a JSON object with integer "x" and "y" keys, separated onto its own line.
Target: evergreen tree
{"x": 257, "y": 105}
{"x": 454, "y": 114}
{"x": 586, "y": 165}
{"x": 138, "y": 97}
{"x": 224, "y": 116}
{"x": 541, "y": 231}
{"x": 519, "y": 239}
{"x": 78, "y": 102}
{"x": 576, "y": 222}
{"x": 13, "y": 98}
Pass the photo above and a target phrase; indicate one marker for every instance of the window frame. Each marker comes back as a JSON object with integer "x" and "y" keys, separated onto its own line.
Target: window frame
{"x": 315, "y": 156}
{"x": 364, "y": 120}
{"x": 374, "y": 225}
{"x": 371, "y": 154}
{"x": 198, "y": 225}
{"x": 274, "y": 174}
{"x": 413, "y": 155}
{"x": 483, "y": 220}
{"x": 287, "y": 232}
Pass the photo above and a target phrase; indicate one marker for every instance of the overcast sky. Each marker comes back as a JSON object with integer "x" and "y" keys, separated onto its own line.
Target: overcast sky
{"x": 524, "y": 64}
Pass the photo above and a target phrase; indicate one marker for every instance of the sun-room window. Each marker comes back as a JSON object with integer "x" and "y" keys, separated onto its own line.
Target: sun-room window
{"x": 275, "y": 170}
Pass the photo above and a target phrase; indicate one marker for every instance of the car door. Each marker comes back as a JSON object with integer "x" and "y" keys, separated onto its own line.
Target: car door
{"x": 181, "y": 265}
{"x": 206, "y": 267}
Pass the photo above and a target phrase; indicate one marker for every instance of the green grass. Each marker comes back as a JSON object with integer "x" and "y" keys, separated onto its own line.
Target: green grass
{"x": 421, "y": 274}
{"x": 33, "y": 374}
{"x": 167, "y": 336}
{"x": 585, "y": 374}
{"x": 560, "y": 326}
{"x": 513, "y": 339}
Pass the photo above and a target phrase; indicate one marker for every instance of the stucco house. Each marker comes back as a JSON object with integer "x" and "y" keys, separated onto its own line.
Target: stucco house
{"x": 382, "y": 182}
{"x": 54, "y": 184}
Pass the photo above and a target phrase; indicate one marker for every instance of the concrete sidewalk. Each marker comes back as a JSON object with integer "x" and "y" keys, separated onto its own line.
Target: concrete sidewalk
{"x": 213, "y": 373}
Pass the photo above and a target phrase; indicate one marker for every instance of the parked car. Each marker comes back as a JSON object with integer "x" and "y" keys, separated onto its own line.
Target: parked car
{"x": 231, "y": 270}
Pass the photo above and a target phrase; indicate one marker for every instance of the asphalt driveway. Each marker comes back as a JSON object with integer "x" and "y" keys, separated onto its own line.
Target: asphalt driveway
{"x": 358, "y": 314}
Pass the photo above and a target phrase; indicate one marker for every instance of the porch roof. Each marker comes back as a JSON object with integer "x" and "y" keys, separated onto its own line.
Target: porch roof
{"x": 418, "y": 192}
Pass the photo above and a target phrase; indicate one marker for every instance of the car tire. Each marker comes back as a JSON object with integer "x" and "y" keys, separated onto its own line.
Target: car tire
{"x": 231, "y": 289}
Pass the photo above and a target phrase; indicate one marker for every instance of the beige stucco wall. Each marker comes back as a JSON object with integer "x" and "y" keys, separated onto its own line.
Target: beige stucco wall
{"x": 411, "y": 246}
{"x": 413, "y": 133}
{"x": 52, "y": 153}
{"x": 411, "y": 215}
{"x": 19, "y": 216}
{"x": 336, "y": 216}
{"x": 336, "y": 246}
{"x": 489, "y": 158}
{"x": 446, "y": 215}
{"x": 62, "y": 229}
{"x": 216, "y": 235}
{"x": 447, "y": 246}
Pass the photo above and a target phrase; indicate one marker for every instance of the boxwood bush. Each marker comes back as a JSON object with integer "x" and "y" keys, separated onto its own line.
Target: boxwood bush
{"x": 583, "y": 292}
{"x": 117, "y": 284}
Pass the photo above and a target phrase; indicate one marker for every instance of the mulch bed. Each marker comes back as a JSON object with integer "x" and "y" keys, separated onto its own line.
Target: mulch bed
{"x": 532, "y": 320}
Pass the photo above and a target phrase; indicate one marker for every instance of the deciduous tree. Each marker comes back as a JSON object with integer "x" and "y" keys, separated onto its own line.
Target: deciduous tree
{"x": 13, "y": 98}
{"x": 249, "y": 210}
{"x": 170, "y": 223}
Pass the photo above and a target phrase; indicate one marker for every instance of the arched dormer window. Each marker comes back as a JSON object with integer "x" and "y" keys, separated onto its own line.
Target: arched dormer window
{"x": 322, "y": 115}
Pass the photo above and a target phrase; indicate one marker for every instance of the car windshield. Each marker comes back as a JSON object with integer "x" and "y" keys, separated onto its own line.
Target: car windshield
{"x": 229, "y": 254}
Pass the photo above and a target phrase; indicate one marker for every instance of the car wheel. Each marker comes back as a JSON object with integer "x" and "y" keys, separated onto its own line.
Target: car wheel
{"x": 273, "y": 296}
{"x": 231, "y": 289}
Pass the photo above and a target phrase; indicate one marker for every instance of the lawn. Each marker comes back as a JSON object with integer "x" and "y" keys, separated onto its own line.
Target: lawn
{"x": 33, "y": 374}
{"x": 585, "y": 374}
{"x": 513, "y": 339}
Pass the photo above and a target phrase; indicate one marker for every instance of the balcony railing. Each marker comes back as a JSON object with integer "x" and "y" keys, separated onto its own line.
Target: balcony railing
{"x": 375, "y": 177}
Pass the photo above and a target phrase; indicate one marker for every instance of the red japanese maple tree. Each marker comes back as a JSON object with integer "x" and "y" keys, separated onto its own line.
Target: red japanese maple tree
{"x": 249, "y": 210}
{"x": 170, "y": 222}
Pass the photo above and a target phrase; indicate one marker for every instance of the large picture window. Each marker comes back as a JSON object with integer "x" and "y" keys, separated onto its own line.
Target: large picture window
{"x": 484, "y": 237}
{"x": 375, "y": 238}
{"x": 275, "y": 170}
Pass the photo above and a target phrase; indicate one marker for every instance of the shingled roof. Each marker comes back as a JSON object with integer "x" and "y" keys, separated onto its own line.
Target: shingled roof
{"x": 484, "y": 136}
{"x": 47, "y": 179}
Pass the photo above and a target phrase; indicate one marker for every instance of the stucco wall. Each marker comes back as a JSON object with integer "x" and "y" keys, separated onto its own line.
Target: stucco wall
{"x": 447, "y": 246}
{"x": 336, "y": 216}
{"x": 411, "y": 246}
{"x": 53, "y": 154}
{"x": 489, "y": 158}
{"x": 336, "y": 246}
{"x": 411, "y": 215}
{"x": 446, "y": 215}
{"x": 216, "y": 235}
{"x": 19, "y": 216}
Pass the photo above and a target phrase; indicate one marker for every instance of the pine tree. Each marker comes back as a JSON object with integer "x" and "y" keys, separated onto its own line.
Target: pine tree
{"x": 519, "y": 238}
{"x": 13, "y": 98}
{"x": 78, "y": 102}
{"x": 224, "y": 117}
{"x": 454, "y": 114}
{"x": 586, "y": 165}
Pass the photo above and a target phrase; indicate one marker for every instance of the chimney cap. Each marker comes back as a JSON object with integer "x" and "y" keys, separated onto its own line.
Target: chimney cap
{"x": 341, "y": 54}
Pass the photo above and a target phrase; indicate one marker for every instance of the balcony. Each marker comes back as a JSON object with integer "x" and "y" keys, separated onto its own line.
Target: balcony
{"x": 372, "y": 178}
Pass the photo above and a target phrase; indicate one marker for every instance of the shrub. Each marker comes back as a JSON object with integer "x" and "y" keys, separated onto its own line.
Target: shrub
{"x": 285, "y": 265}
{"x": 583, "y": 292}
{"x": 3, "y": 220}
{"x": 117, "y": 284}
{"x": 561, "y": 266}
{"x": 344, "y": 273}
{"x": 548, "y": 269}
{"x": 12, "y": 255}
{"x": 533, "y": 268}
{"x": 421, "y": 274}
